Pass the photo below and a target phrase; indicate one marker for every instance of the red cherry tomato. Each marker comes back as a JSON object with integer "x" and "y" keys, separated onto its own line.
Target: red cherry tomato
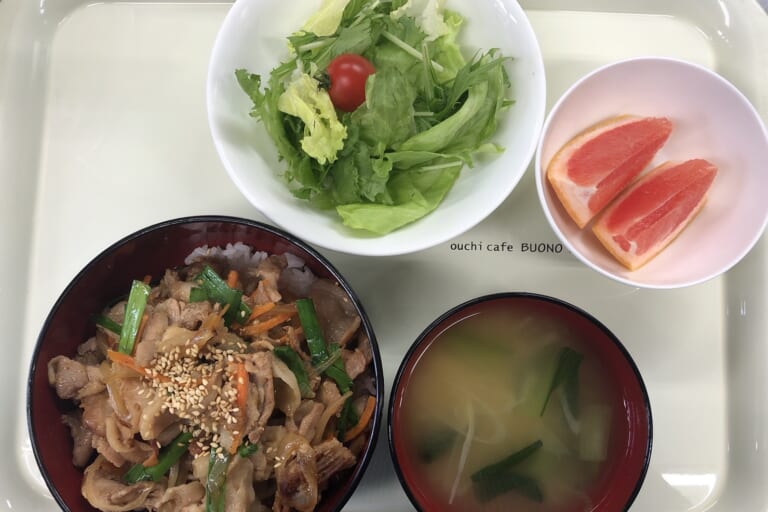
{"x": 348, "y": 73}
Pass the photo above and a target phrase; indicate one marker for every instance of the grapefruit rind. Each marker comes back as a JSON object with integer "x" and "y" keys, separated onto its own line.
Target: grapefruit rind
{"x": 629, "y": 258}
{"x": 574, "y": 197}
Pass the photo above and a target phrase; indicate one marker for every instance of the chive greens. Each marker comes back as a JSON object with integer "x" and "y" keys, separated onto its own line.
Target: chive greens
{"x": 318, "y": 349}
{"x": 134, "y": 310}
{"x": 292, "y": 359}
{"x": 109, "y": 324}
{"x": 566, "y": 375}
{"x": 215, "y": 485}
{"x": 500, "y": 477}
{"x": 214, "y": 288}
{"x": 500, "y": 468}
{"x": 247, "y": 449}
{"x": 321, "y": 353}
{"x": 167, "y": 458}
{"x": 347, "y": 419}
{"x": 436, "y": 444}
{"x": 486, "y": 490}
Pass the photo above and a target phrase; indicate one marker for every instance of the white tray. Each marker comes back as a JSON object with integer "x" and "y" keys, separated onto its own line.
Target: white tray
{"x": 103, "y": 131}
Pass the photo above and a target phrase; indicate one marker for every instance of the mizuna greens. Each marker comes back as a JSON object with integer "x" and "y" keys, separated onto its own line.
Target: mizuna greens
{"x": 428, "y": 110}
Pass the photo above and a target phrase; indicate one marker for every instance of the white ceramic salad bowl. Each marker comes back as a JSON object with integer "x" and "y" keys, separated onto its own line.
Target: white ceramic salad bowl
{"x": 253, "y": 36}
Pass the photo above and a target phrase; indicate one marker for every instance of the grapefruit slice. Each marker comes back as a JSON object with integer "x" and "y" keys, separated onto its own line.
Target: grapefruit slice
{"x": 596, "y": 165}
{"x": 646, "y": 217}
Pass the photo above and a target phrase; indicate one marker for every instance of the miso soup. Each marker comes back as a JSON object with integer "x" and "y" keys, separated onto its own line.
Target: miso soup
{"x": 515, "y": 407}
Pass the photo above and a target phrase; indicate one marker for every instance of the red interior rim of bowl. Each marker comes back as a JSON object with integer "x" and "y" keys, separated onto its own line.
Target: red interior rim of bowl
{"x": 106, "y": 278}
{"x": 619, "y": 485}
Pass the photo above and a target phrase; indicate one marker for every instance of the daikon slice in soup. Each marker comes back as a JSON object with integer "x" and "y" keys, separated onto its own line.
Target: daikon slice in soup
{"x": 510, "y": 409}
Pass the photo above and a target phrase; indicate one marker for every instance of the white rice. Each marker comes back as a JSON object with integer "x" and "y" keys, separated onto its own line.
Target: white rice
{"x": 294, "y": 261}
{"x": 238, "y": 255}
{"x": 242, "y": 257}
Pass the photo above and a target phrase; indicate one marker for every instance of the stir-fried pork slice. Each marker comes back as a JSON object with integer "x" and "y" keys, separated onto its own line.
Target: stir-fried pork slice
{"x": 104, "y": 490}
{"x": 72, "y": 379}
{"x": 337, "y": 314}
{"x": 194, "y": 313}
{"x": 188, "y": 315}
{"x": 307, "y": 418}
{"x": 287, "y": 392}
{"x": 332, "y": 457}
{"x": 200, "y": 468}
{"x": 168, "y": 435}
{"x": 331, "y": 411}
{"x": 295, "y": 283}
{"x": 264, "y": 459}
{"x": 67, "y": 376}
{"x": 94, "y": 350}
{"x": 176, "y": 338}
{"x": 296, "y": 475}
{"x": 259, "y": 507}
{"x": 328, "y": 393}
{"x": 239, "y": 494}
{"x": 82, "y": 438}
{"x": 268, "y": 272}
{"x": 104, "y": 449}
{"x": 129, "y": 397}
{"x": 364, "y": 345}
{"x": 172, "y": 286}
{"x": 293, "y": 338}
{"x": 261, "y": 393}
{"x": 169, "y": 313}
{"x": 195, "y": 507}
{"x": 153, "y": 418}
{"x": 179, "y": 497}
{"x": 156, "y": 325}
{"x": 354, "y": 362}
{"x": 122, "y": 440}
{"x": 96, "y": 410}
{"x": 117, "y": 312}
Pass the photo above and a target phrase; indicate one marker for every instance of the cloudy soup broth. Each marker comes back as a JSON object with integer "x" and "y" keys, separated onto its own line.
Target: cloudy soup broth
{"x": 508, "y": 410}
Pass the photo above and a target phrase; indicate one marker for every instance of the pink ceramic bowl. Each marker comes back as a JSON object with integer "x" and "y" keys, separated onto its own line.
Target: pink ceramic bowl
{"x": 712, "y": 120}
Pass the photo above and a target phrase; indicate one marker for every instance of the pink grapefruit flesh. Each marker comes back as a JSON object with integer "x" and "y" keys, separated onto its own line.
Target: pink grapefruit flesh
{"x": 596, "y": 165}
{"x": 653, "y": 211}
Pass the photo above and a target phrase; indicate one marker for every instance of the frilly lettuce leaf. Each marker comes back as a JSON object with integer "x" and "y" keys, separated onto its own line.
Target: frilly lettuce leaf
{"x": 323, "y": 133}
{"x": 428, "y": 14}
{"x": 415, "y": 193}
{"x": 326, "y": 21}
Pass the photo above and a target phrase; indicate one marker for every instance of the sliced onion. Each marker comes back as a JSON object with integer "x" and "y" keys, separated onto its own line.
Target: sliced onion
{"x": 468, "y": 438}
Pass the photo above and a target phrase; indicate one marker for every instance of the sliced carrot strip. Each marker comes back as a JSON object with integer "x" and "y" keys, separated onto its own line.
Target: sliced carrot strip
{"x": 365, "y": 418}
{"x": 208, "y": 328}
{"x": 260, "y": 310}
{"x": 143, "y": 324}
{"x": 241, "y": 384}
{"x": 129, "y": 362}
{"x": 153, "y": 459}
{"x": 233, "y": 278}
{"x": 266, "y": 325}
